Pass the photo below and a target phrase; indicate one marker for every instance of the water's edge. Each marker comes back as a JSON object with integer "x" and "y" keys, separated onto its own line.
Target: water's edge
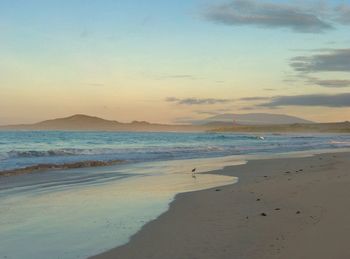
{"x": 217, "y": 171}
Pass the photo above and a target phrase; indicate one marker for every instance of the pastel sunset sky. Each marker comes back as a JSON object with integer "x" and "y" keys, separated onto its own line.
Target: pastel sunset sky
{"x": 173, "y": 61}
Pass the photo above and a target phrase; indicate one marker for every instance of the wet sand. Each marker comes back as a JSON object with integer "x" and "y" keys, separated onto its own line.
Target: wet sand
{"x": 281, "y": 208}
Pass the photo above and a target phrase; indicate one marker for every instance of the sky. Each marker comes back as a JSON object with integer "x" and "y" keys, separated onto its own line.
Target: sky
{"x": 173, "y": 61}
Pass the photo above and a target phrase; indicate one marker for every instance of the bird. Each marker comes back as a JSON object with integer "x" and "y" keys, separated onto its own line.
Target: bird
{"x": 194, "y": 173}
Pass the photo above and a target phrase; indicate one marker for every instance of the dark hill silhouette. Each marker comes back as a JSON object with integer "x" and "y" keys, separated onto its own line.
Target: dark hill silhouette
{"x": 81, "y": 122}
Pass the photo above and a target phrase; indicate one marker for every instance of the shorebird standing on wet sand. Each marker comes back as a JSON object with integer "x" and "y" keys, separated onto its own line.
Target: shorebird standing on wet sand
{"x": 194, "y": 173}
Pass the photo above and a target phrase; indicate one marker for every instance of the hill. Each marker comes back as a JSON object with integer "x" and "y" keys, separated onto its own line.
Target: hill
{"x": 340, "y": 127}
{"x": 80, "y": 122}
{"x": 253, "y": 119}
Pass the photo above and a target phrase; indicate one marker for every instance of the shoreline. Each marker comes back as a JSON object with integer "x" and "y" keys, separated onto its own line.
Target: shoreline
{"x": 279, "y": 208}
{"x": 85, "y": 164}
{"x": 108, "y": 205}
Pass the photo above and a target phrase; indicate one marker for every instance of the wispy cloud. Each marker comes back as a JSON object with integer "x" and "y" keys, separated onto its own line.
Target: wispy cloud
{"x": 180, "y": 76}
{"x": 255, "y": 98}
{"x": 84, "y": 34}
{"x": 302, "y": 17}
{"x": 336, "y": 60}
{"x": 197, "y": 101}
{"x": 344, "y": 13}
{"x": 248, "y": 108}
{"x": 298, "y": 18}
{"x": 332, "y": 83}
{"x": 207, "y": 112}
{"x": 325, "y": 61}
{"x": 214, "y": 112}
{"x": 324, "y": 100}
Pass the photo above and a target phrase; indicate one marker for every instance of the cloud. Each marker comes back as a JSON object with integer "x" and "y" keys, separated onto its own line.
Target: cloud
{"x": 171, "y": 99}
{"x": 248, "y": 108}
{"x": 183, "y": 76}
{"x": 214, "y": 112}
{"x": 324, "y": 100}
{"x": 343, "y": 13}
{"x": 197, "y": 101}
{"x": 326, "y": 60}
{"x": 333, "y": 83}
{"x": 336, "y": 60}
{"x": 208, "y": 112}
{"x": 219, "y": 81}
{"x": 255, "y": 98}
{"x": 298, "y": 18}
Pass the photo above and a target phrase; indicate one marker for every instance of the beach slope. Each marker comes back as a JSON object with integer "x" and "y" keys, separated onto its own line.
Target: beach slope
{"x": 281, "y": 208}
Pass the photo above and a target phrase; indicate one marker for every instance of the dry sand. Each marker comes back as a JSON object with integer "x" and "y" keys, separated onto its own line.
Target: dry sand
{"x": 306, "y": 202}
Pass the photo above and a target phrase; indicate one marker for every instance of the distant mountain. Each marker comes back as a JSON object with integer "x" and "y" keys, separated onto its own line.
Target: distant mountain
{"x": 81, "y": 122}
{"x": 252, "y": 119}
{"x": 335, "y": 127}
{"x": 277, "y": 123}
{"x": 76, "y": 121}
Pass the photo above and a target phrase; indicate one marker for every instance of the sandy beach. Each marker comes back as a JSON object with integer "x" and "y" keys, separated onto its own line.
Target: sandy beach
{"x": 281, "y": 208}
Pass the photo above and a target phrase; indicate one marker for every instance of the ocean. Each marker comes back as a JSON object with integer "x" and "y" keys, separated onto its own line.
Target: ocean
{"x": 24, "y": 149}
{"x": 81, "y": 212}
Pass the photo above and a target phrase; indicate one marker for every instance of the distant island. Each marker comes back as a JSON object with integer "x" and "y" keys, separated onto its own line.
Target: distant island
{"x": 340, "y": 127}
{"x": 252, "y": 119}
{"x": 257, "y": 122}
{"x": 81, "y": 122}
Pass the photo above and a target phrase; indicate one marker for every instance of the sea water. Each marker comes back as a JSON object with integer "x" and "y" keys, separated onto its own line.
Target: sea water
{"x": 81, "y": 212}
{"x": 23, "y": 149}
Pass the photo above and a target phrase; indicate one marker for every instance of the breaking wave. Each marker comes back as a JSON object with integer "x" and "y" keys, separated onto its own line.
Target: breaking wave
{"x": 45, "y": 167}
{"x": 27, "y": 149}
{"x": 101, "y": 151}
{"x": 52, "y": 153}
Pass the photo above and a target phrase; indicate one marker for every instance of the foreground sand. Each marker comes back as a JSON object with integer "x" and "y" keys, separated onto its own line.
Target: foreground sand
{"x": 281, "y": 208}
